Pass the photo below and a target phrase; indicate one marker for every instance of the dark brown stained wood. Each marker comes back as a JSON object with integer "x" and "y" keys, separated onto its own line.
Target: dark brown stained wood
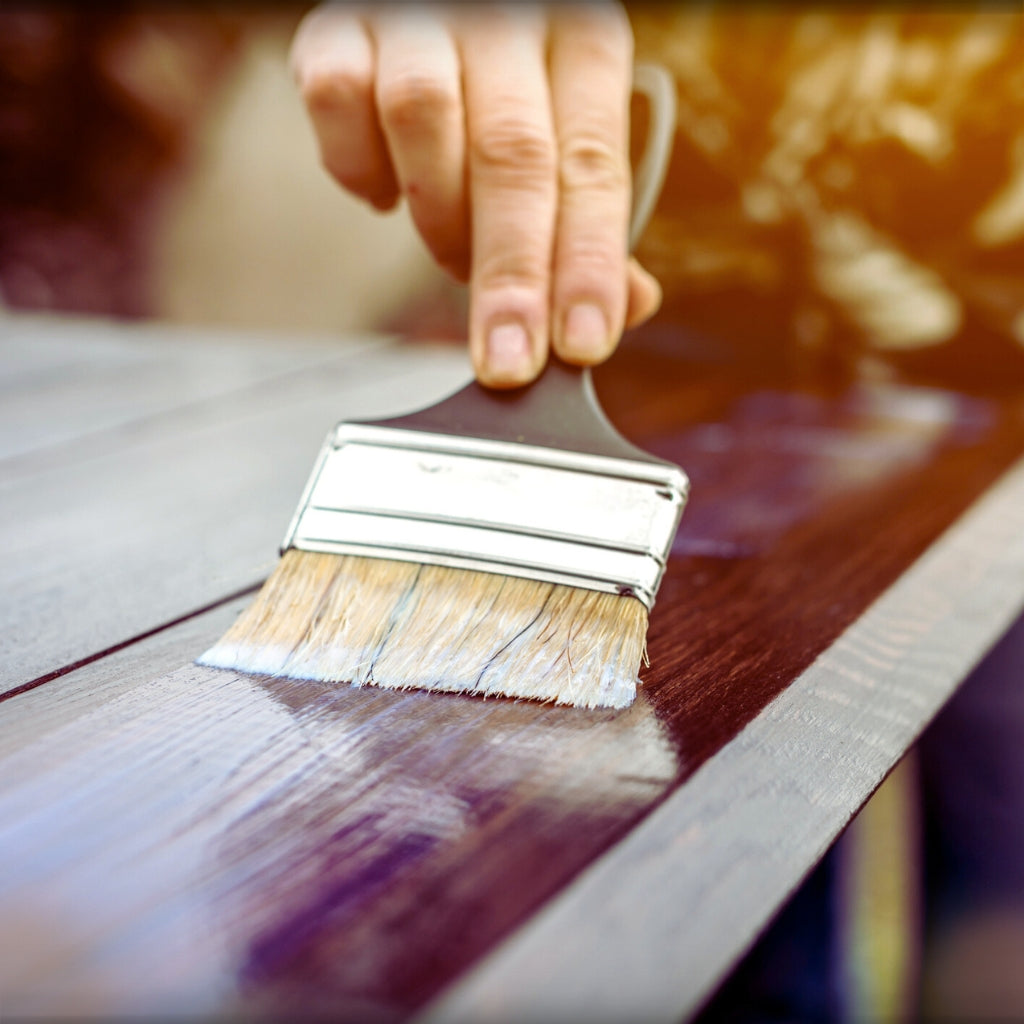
{"x": 649, "y": 929}
{"x": 806, "y": 504}
{"x": 206, "y": 842}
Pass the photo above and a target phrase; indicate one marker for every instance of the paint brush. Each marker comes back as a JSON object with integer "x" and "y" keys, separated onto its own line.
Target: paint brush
{"x": 498, "y": 543}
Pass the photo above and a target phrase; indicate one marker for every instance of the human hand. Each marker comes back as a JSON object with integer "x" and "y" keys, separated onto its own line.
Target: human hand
{"x": 506, "y": 129}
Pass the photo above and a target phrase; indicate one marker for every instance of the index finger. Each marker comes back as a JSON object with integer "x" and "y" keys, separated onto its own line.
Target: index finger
{"x": 333, "y": 61}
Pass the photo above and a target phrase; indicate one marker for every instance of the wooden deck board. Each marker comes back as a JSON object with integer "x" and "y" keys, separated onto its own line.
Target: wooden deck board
{"x": 184, "y": 839}
{"x": 655, "y": 924}
{"x": 117, "y": 531}
{"x": 44, "y": 709}
{"x": 62, "y": 378}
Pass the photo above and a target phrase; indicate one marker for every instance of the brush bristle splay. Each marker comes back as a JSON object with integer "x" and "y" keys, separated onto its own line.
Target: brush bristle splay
{"x": 403, "y": 625}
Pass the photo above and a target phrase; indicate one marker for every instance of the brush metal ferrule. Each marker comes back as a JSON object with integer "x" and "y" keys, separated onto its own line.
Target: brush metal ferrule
{"x": 567, "y": 517}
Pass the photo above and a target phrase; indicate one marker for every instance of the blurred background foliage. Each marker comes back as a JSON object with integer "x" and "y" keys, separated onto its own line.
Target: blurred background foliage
{"x": 847, "y": 184}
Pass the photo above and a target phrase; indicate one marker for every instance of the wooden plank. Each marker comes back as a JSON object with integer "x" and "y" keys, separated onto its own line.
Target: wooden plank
{"x": 45, "y": 709}
{"x": 206, "y": 840}
{"x": 121, "y": 530}
{"x": 210, "y": 842}
{"x": 650, "y": 929}
{"x": 64, "y": 377}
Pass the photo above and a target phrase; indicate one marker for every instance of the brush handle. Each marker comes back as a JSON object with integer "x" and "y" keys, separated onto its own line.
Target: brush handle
{"x": 558, "y": 410}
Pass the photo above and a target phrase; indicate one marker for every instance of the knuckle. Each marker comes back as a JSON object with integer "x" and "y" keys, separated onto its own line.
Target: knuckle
{"x": 593, "y": 273}
{"x": 514, "y": 147}
{"x": 508, "y": 268}
{"x": 416, "y": 100}
{"x": 589, "y": 162}
{"x": 592, "y": 259}
{"x": 328, "y": 89}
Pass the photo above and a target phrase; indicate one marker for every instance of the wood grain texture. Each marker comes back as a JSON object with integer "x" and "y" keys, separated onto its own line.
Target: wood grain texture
{"x": 63, "y": 378}
{"x": 45, "y": 708}
{"x": 117, "y": 530}
{"x": 206, "y": 842}
{"x": 650, "y": 929}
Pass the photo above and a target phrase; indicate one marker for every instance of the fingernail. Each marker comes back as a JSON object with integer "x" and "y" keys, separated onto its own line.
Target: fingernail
{"x": 508, "y": 350}
{"x": 586, "y": 331}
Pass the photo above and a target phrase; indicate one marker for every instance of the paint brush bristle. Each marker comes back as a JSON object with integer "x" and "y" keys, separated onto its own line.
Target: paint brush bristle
{"x": 403, "y": 625}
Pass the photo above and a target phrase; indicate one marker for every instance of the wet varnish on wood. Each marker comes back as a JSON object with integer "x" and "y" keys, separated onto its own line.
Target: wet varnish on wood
{"x": 182, "y": 839}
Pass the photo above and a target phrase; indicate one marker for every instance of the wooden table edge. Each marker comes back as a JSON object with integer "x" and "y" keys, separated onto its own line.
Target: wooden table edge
{"x": 647, "y": 931}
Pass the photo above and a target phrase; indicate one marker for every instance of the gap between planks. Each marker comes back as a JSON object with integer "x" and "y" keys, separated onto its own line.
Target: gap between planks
{"x": 49, "y": 677}
{"x": 84, "y": 689}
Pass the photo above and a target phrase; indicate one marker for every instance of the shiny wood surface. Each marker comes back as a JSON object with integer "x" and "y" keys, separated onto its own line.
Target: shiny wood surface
{"x": 809, "y": 499}
{"x": 184, "y": 839}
